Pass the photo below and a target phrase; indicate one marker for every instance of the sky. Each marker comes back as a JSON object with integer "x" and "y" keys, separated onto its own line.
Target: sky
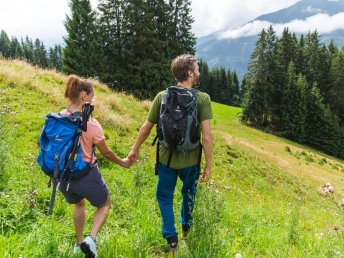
{"x": 44, "y": 19}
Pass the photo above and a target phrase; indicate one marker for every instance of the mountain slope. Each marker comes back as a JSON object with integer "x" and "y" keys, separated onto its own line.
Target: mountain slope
{"x": 303, "y": 9}
{"x": 234, "y": 53}
{"x": 264, "y": 198}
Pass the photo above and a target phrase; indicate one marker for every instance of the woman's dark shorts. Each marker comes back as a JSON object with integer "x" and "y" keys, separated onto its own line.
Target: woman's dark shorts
{"x": 91, "y": 187}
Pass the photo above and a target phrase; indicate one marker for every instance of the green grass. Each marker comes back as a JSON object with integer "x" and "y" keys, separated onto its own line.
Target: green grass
{"x": 264, "y": 199}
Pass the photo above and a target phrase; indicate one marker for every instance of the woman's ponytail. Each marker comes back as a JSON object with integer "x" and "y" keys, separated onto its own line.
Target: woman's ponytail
{"x": 75, "y": 85}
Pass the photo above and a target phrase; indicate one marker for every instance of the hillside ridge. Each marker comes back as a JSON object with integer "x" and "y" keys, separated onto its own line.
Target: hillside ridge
{"x": 265, "y": 197}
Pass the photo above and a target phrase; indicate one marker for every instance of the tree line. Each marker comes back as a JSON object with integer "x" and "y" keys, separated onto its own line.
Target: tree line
{"x": 128, "y": 44}
{"x": 33, "y": 52}
{"x": 295, "y": 88}
{"x": 222, "y": 85}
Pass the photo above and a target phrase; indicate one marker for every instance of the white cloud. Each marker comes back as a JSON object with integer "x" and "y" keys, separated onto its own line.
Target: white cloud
{"x": 249, "y": 29}
{"x": 44, "y": 19}
{"x": 216, "y": 15}
{"x": 310, "y": 9}
{"x": 323, "y": 23}
{"x": 40, "y": 19}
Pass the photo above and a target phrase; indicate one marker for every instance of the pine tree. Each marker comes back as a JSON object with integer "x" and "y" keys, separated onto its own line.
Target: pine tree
{"x": 205, "y": 84}
{"x": 28, "y": 47}
{"x": 299, "y": 112}
{"x": 337, "y": 86}
{"x": 82, "y": 53}
{"x": 55, "y": 61}
{"x": 300, "y": 66}
{"x": 313, "y": 58}
{"x": 273, "y": 81}
{"x": 262, "y": 78}
{"x": 243, "y": 90}
{"x": 322, "y": 127}
{"x": 294, "y": 106}
{"x": 236, "y": 89}
{"x": 145, "y": 48}
{"x": 286, "y": 53}
{"x": 223, "y": 87}
{"x": 181, "y": 38}
{"x": 111, "y": 23}
{"x": 16, "y": 50}
{"x": 255, "y": 104}
{"x": 40, "y": 54}
{"x": 5, "y": 44}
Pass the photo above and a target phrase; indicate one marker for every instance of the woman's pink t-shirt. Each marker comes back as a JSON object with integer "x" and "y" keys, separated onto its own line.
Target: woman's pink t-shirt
{"x": 93, "y": 135}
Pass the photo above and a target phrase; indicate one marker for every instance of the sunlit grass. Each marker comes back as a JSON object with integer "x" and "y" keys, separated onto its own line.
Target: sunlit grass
{"x": 264, "y": 199}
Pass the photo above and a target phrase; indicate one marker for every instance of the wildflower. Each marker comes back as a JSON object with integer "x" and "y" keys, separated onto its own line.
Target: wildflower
{"x": 325, "y": 191}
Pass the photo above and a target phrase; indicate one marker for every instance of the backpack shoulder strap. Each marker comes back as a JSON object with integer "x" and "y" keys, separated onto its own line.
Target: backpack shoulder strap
{"x": 194, "y": 91}
{"x": 74, "y": 116}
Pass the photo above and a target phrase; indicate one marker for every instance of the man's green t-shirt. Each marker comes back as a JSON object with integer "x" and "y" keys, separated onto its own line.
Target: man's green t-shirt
{"x": 205, "y": 112}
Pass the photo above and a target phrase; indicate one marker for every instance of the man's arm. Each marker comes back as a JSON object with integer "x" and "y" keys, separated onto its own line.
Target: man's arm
{"x": 141, "y": 137}
{"x": 207, "y": 142}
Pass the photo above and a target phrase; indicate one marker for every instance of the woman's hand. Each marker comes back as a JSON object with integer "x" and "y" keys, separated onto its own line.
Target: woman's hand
{"x": 126, "y": 163}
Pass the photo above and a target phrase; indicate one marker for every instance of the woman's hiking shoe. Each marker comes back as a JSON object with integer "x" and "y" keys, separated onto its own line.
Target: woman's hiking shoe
{"x": 186, "y": 231}
{"x": 77, "y": 249}
{"x": 172, "y": 243}
{"x": 89, "y": 247}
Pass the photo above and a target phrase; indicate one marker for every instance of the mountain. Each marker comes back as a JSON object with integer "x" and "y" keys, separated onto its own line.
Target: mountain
{"x": 303, "y": 9}
{"x": 232, "y": 48}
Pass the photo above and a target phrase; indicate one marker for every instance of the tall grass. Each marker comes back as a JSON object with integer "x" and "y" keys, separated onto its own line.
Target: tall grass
{"x": 208, "y": 231}
{"x": 5, "y": 143}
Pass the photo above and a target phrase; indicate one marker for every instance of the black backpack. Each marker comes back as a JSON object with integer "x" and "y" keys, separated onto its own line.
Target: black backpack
{"x": 178, "y": 125}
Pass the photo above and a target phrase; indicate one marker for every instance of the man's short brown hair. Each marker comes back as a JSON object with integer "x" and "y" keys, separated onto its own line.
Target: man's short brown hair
{"x": 181, "y": 65}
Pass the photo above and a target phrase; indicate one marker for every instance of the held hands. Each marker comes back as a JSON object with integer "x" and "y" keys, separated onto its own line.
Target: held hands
{"x": 130, "y": 160}
{"x": 133, "y": 155}
{"x": 126, "y": 163}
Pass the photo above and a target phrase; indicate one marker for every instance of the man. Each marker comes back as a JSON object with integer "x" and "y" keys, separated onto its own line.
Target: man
{"x": 185, "y": 166}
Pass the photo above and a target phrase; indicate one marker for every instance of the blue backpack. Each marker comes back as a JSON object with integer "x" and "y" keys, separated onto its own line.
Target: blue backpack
{"x": 60, "y": 153}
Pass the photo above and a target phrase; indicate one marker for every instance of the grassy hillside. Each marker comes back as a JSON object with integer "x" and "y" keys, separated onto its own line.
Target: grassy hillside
{"x": 264, "y": 200}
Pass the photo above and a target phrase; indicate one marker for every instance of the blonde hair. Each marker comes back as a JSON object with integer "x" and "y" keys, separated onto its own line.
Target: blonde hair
{"x": 75, "y": 85}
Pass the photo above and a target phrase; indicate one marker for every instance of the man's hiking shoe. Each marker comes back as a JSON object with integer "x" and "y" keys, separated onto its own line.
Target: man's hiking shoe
{"x": 77, "y": 249}
{"x": 186, "y": 231}
{"x": 89, "y": 247}
{"x": 172, "y": 243}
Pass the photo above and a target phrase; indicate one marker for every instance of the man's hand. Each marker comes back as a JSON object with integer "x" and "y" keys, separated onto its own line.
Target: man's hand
{"x": 206, "y": 175}
{"x": 133, "y": 155}
{"x": 126, "y": 163}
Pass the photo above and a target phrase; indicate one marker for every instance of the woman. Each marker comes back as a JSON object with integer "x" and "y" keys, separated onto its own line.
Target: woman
{"x": 92, "y": 186}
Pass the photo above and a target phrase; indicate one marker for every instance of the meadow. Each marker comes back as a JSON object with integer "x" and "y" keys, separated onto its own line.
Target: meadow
{"x": 265, "y": 197}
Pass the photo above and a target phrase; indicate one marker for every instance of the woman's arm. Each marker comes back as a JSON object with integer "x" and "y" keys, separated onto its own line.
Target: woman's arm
{"x": 111, "y": 156}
